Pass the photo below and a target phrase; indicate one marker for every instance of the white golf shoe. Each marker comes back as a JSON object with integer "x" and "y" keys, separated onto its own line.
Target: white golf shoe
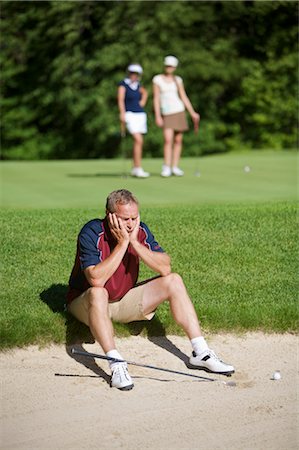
{"x": 166, "y": 171}
{"x": 210, "y": 362}
{"x": 177, "y": 171}
{"x": 139, "y": 172}
{"x": 120, "y": 377}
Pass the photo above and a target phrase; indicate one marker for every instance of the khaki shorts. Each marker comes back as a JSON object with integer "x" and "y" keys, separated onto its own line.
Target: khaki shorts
{"x": 126, "y": 310}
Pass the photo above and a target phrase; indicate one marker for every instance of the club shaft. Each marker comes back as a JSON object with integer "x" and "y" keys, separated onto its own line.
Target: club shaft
{"x": 147, "y": 366}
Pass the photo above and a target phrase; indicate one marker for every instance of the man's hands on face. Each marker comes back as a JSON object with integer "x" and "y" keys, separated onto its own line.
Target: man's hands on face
{"x": 134, "y": 233}
{"x": 119, "y": 230}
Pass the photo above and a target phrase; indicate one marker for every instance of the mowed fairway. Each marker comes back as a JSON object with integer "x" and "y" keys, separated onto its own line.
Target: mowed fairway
{"x": 85, "y": 184}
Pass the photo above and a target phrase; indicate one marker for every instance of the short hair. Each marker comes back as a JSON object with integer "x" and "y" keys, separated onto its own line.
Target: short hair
{"x": 119, "y": 197}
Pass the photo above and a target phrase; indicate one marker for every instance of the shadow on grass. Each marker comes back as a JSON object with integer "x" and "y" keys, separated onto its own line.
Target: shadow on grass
{"x": 78, "y": 334}
{"x": 120, "y": 174}
{"x": 92, "y": 175}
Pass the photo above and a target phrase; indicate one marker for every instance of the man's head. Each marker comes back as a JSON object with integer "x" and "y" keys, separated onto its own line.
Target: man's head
{"x": 119, "y": 197}
{"x": 124, "y": 205}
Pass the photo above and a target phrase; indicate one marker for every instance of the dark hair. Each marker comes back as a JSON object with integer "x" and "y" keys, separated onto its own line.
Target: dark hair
{"x": 119, "y": 197}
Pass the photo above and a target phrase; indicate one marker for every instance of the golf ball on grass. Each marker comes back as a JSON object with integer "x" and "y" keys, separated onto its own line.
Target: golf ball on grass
{"x": 247, "y": 169}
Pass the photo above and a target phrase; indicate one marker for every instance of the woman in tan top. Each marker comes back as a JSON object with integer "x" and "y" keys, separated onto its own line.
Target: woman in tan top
{"x": 170, "y": 102}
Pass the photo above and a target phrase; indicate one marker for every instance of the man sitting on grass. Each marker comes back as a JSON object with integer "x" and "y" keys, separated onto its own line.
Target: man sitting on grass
{"x": 102, "y": 285}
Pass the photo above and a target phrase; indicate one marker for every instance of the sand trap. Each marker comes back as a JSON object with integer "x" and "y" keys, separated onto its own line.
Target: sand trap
{"x": 52, "y": 401}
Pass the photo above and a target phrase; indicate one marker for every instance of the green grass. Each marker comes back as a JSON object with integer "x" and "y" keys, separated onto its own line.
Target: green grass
{"x": 85, "y": 184}
{"x": 238, "y": 255}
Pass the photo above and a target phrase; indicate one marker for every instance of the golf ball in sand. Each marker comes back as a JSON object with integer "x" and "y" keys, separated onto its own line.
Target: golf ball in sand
{"x": 276, "y": 375}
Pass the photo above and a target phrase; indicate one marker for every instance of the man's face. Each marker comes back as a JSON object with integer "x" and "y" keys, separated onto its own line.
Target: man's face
{"x": 128, "y": 214}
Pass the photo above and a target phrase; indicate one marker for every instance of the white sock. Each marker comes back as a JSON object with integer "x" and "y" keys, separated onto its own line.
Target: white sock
{"x": 113, "y": 354}
{"x": 199, "y": 345}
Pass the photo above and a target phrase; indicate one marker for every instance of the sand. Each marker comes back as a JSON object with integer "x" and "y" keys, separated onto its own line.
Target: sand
{"x": 52, "y": 401}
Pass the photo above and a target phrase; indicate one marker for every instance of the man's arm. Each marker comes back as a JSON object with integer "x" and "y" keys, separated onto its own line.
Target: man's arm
{"x": 99, "y": 274}
{"x": 157, "y": 261}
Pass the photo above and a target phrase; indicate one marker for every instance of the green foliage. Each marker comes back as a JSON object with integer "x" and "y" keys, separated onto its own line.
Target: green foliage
{"x": 61, "y": 62}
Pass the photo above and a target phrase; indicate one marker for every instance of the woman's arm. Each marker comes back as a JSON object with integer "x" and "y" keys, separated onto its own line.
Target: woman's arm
{"x": 144, "y": 96}
{"x": 185, "y": 99}
{"x": 121, "y": 93}
{"x": 158, "y": 117}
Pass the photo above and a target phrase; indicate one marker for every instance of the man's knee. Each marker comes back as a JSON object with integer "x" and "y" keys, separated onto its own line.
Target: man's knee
{"x": 174, "y": 282}
{"x": 98, "y": 298}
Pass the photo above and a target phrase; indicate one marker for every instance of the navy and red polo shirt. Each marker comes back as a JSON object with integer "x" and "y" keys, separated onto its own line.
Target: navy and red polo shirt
{"x": 95, "y": 243}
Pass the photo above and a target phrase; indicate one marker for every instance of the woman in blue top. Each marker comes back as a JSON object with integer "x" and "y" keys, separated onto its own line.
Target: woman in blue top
{"x": 131, "y": 99}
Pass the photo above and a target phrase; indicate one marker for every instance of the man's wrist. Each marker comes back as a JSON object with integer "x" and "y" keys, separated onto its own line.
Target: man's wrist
{"x": 134, "y": 242}
{"x": 123, "y": 243}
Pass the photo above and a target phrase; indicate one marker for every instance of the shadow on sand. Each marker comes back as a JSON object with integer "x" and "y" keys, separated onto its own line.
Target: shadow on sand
{"x": 78, "y": 334}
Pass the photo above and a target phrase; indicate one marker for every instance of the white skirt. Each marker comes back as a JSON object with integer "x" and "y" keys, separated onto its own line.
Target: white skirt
{"x": 136, "y": 122}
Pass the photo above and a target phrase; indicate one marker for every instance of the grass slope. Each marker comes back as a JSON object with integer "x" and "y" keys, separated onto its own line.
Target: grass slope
{"x": 239, "y": 264}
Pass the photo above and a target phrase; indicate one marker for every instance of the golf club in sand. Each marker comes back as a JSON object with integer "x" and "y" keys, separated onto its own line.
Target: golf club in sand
{"x": 147, "y": 366}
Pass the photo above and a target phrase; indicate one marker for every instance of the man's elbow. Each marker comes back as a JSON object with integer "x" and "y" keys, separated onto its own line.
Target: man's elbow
{"x": 95, "y": 282}
{"x": 164, "y": 273}
{"x": 166, "y": 270}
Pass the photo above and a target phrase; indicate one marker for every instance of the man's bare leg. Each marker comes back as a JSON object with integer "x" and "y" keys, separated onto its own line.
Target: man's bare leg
{"x": 100, "y": 323}
{"x": 172, "y": 288}
{"x": 102, "y": 329}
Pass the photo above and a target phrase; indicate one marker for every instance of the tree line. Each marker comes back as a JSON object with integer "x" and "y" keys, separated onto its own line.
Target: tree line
{"x": 61, "y": 62}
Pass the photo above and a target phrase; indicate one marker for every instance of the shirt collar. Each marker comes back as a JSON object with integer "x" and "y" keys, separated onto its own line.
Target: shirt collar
{"x": 132, "y": 84}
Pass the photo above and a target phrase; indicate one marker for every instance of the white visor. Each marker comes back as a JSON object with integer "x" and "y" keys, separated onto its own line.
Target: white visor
{"x": 171, "y": 61}
{"x": 135, "y": 68}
